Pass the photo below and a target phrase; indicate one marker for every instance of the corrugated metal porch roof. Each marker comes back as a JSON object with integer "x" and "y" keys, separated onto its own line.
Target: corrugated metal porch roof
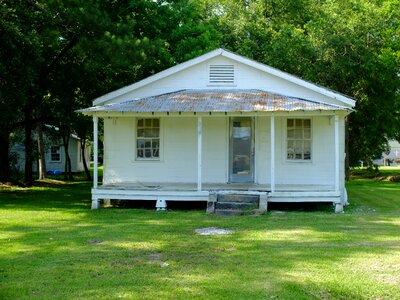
{"x": 216, "y": 101}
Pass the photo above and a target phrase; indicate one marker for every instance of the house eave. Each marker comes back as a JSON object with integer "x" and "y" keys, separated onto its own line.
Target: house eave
{"x": 217, "y": 114}
{"x": 210, "y": 101}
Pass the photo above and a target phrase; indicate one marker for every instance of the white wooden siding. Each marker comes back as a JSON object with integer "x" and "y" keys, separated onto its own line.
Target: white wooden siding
{"x": 178, "y": 153}
{"x": 197, "y": 77}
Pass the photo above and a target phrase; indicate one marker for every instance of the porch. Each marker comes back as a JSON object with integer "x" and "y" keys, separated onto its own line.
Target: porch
{"x": 275, "y": 142}
{"x": 163, "y": 192}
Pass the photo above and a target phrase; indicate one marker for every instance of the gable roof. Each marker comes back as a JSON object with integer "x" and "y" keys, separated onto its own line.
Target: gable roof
{"x": 55, "y": 128}
{"x": 244, "y": 60}
{"x": 212, "y": 100}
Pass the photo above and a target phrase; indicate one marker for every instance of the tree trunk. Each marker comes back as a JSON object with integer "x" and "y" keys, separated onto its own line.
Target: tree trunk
{"x": 83, "y": 146}
{"x": 42, "y": 152}
{"x": 70, "y": 177}
{"x": 28, "y": 147}
{"x": 4, "y": 155}
{"x": 68, "y": 166}
{"x": 346, "y": 150}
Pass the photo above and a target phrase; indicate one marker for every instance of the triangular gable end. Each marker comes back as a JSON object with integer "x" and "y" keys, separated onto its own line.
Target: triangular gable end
{"x": 267, "y": 70}
{"x": 158, "y": 76}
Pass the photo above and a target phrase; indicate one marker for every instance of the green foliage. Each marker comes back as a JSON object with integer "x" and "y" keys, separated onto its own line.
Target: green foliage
{"x": 57, "y": 56}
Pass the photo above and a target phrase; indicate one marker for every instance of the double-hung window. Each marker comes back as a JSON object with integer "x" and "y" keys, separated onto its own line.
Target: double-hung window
{"x": 55, "y": 153}
{"x": 148, "y": 139}
{"x": 298, "y": 139}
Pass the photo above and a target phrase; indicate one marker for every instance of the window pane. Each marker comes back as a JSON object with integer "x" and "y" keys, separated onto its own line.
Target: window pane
{"x": 147, "y": 144}
{"x": 140, "y": 143}
{"x": 140, "y": 123}
{"x": 156, "y": 123}
{"x": 290, "y": 150}
{"x": 298, "y": 133}
{"x": 154, "y": 132}
{"x": 147, "y": 122}
{"x": 298, "y": 122}
{"x": 147, "y": 153}
{"x": 307, "y": 123}
{"x": 298, "y": 156}
{"x": 147, "y": 132}
{"x": 140, "y": 153}
{"x": 307, "y": 150}
{"x": 290, "y": 123}
{"x": 140, "y": 133}
{"x": 307, "y": 133}
{"x": 155, "y": 143}
{"x": 298, "y": 149}
{"x": 155, "y": 153}
{"x": 307, "y": 146}
{"x": 290, "y": 133}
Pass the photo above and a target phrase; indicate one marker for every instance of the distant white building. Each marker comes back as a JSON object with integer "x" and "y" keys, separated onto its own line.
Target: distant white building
{"x": 392, "y": 158}
{"x": 55, "y": 154}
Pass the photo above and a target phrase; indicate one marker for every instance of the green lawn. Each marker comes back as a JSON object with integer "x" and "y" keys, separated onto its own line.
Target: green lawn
{"x": 52, "y": 246}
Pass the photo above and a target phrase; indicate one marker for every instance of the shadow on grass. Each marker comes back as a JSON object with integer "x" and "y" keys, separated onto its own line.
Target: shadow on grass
{"x": 47, "y": 196}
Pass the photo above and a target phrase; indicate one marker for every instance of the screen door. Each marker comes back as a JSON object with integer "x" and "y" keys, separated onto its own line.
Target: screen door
{"x": 241, "y": 150}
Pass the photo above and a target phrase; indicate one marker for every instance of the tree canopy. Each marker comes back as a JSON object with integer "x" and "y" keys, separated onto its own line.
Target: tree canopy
{"x": 56, "y": 56}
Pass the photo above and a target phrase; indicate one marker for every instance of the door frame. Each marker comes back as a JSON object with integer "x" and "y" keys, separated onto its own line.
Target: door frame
{"x": 237, "y": 178}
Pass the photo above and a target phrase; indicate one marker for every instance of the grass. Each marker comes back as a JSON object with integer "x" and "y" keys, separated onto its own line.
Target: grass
{"x": 52, "y": 246}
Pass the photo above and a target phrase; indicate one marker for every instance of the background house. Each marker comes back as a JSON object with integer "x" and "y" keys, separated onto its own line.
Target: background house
{"x": 55, "y": 154}
{"x": 392, "y": 158}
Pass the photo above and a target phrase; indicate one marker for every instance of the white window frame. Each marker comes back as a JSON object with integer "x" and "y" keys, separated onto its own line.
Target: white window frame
{"x": 137, "y": 158}
{"x": 311, "y": 140}
{"x": 51, "y": 153}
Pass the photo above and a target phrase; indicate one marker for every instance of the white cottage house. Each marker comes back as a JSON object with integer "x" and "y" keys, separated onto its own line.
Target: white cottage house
{"x": 222, "y": 124}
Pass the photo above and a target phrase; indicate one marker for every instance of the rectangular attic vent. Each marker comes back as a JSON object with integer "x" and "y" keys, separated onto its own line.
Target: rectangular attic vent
{"x": 222, "y": 74}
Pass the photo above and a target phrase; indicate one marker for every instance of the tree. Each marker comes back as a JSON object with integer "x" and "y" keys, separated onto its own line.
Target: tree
{"x": 19, "y": 56}
{"x": 349, "y": 46}
{"x": 58, "y": 55}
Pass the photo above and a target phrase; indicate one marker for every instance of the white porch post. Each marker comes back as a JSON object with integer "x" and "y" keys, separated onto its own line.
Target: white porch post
{"x": 96, "y": 149}
{"x": 199, "y": 151}
{"x": 272, "y": 153}
{"x": 337, "y": 153}
{"x": 338, "y": 205}
{"x": 95, "y": 201}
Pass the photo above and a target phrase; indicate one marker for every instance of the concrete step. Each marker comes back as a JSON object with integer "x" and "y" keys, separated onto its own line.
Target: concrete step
{"x": 235, "y": 205}
{"x": 238, "y": 198}
{"x": 228, "y": 212}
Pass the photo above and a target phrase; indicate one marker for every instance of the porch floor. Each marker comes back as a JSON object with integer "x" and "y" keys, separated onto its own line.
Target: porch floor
{"x": 214, "y": 187}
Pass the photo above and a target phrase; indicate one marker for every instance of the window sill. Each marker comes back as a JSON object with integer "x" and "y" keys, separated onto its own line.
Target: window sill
{"x": 301, "y": 161}
{"x": 146, "y": 159}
